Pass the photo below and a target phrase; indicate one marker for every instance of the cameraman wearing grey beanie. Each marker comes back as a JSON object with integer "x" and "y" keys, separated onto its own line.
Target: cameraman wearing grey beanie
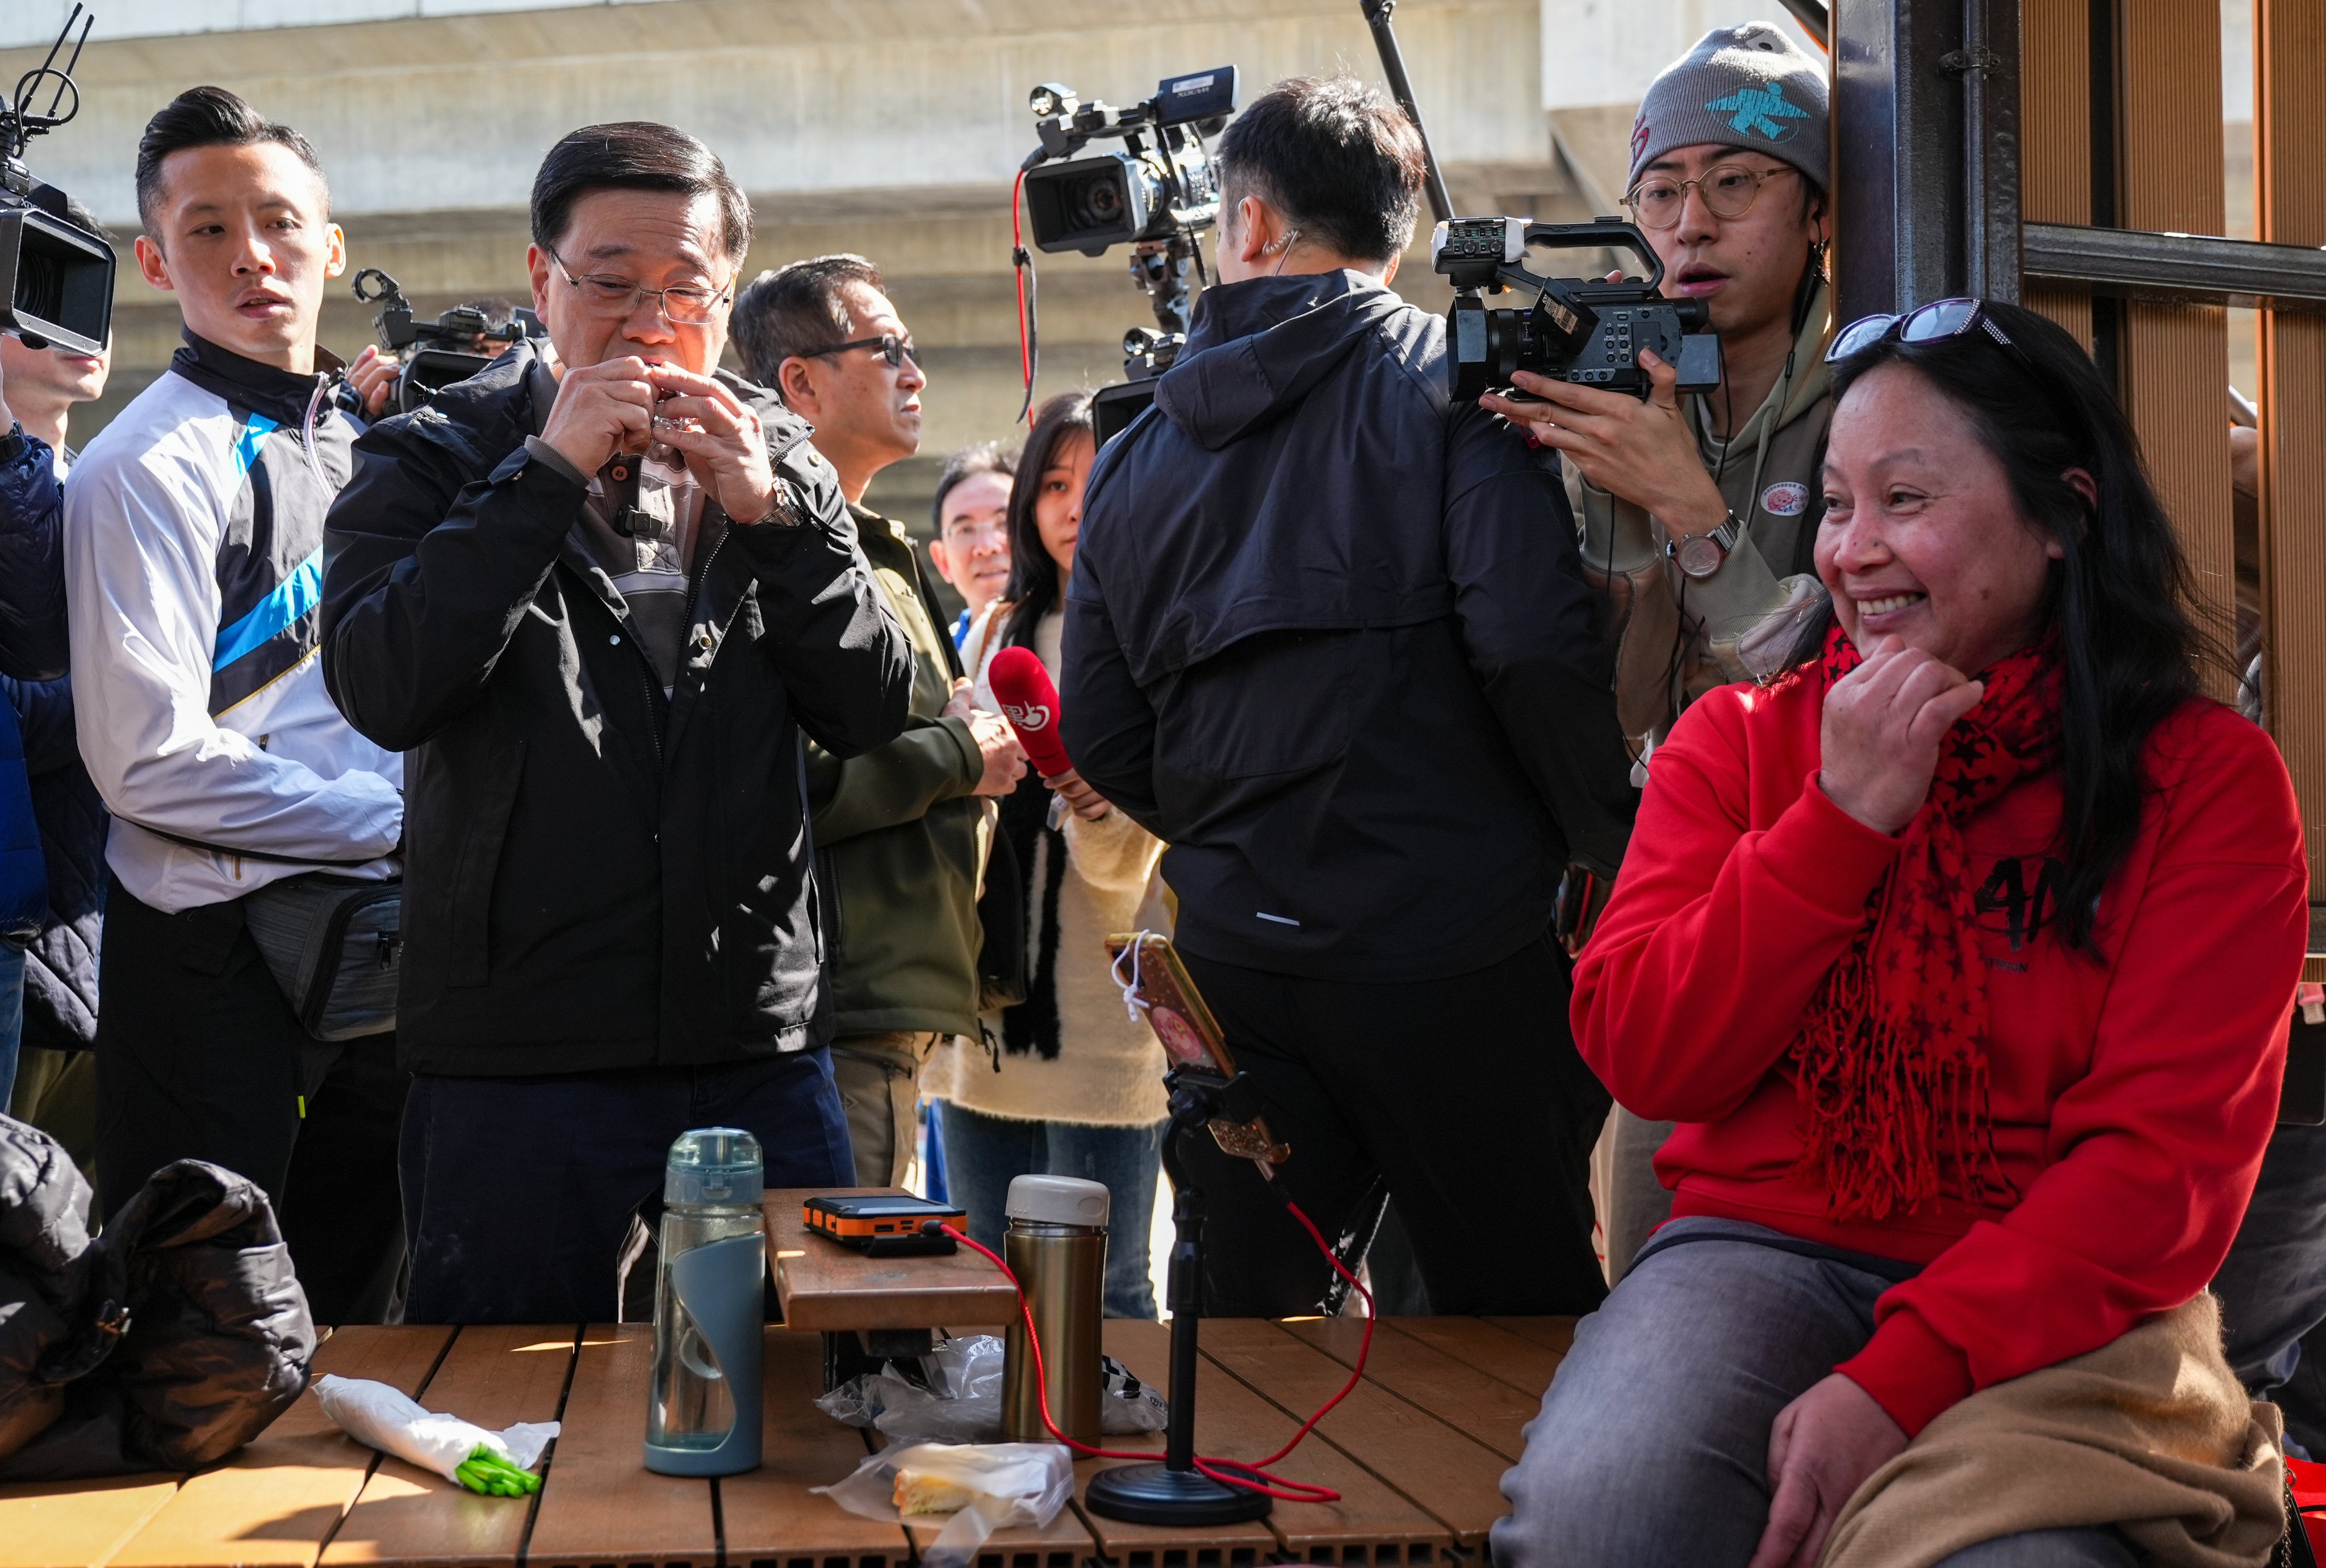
{"x": 1728, "y": 178}
{"x": 1729, "y": 157}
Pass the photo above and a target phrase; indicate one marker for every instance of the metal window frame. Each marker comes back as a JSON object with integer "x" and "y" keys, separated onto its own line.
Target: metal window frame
{"x": 1927, "y": 92}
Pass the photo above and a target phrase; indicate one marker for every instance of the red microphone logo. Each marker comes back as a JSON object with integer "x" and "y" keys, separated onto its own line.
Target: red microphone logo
{"x": 1027, "y": 715}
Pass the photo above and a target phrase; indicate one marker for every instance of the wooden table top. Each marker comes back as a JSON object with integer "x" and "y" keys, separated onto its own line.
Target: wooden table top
{"x": 1416, "y": 1454}
{"x": 824, "y": 1285}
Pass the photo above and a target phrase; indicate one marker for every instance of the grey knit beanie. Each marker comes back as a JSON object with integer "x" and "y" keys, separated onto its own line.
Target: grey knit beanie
{"x": 1744, "y": 86}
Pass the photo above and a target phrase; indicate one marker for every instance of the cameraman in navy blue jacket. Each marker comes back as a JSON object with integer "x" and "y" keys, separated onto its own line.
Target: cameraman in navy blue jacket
{"x": 1328, "y": 638}
{"x": 32, "y": 648}
{"x": 52, "y": 897}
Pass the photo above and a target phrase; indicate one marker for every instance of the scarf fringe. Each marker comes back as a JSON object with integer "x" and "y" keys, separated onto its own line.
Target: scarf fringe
{"x": 1891, "y": 1060}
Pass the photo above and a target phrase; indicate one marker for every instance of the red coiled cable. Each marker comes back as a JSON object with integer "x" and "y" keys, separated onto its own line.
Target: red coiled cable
{"x": 1021, "y": 262}
{"x": 1252, "y": 1477}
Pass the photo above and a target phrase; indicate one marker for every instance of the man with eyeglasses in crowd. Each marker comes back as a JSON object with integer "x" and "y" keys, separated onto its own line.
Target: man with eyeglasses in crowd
{"x": 597, "y": 605}
{"x": 1698, "y": 512}
{"x": 899, "y": 829}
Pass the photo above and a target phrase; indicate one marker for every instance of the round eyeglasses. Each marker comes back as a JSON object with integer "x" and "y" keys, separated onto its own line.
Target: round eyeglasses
{"x": 1728, "y": 189}
{"x": 680, "y": 304}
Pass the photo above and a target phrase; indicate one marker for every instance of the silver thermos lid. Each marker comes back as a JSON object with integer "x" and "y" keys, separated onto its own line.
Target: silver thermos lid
{"x": 1059, "y": 1200}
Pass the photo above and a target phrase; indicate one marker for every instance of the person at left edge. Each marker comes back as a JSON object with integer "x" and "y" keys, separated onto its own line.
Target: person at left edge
{"x": 597, "y": 605}
{"x": 194, "y": 542}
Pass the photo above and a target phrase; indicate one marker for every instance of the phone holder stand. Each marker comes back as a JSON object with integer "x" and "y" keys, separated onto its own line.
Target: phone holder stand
{"x": 1176, "y": 1492}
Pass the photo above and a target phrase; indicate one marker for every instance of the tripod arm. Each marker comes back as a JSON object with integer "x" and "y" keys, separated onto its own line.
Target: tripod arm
{"x": 1392, "y": 59}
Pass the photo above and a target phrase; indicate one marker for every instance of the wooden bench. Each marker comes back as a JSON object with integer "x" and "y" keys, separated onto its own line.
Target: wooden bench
{"x": 1416, "y": 1452}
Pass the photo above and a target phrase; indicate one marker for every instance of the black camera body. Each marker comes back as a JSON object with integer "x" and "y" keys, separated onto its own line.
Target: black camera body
{"x": 56, "y": 278}
{"x": 1163, "y": 183}
{"x": 1158, "y": 195}
{"x": 436, "y": 354}
{"x": 1579, "y": 331}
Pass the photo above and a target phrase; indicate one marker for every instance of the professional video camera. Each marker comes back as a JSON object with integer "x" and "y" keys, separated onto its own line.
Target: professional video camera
{"x": 436, "y": 354}
{"x": 56, "y": 278}
{"x": 1578, "y": 329}
{"x": 1157, "y": 195}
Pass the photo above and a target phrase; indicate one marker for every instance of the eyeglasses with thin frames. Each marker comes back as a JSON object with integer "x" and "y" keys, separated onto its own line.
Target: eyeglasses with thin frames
{"x": 680, "y": 304}
{"x": 896, "y": 350}
{"x": 1728, "y": 189}
{"x": 968, "y": 535}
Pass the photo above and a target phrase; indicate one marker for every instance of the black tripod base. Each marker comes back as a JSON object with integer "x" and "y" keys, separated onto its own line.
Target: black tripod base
{"x": 1156, "y": 1494}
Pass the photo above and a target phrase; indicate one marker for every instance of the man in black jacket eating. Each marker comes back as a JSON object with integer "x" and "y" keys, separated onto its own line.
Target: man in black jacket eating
{"x": 597, "y": 604}
{"x": 1328, "y": 638}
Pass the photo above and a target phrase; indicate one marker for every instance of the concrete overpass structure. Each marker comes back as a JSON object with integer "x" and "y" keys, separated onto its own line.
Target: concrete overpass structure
{"x": 890, "y": 127}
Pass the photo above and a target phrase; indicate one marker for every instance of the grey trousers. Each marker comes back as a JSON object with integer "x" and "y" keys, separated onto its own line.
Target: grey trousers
{"x": 1652, "y": 1445}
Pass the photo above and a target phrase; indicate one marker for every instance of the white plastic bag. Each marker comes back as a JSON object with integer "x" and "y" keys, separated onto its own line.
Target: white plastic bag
{"x": 1010, "y": 1483}
{"x": 957, "y": 1397}
{"x": 379, "y": 1417}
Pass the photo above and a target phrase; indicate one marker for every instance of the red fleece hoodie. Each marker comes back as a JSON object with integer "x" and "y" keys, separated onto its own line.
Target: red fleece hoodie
{"x": 2132, "y": 1094}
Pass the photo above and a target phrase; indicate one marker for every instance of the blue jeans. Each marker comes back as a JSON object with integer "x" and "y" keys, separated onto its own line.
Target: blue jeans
{"x": 983, "y": 1153}
{"x": 518, "y": 1192}
{"x": 12, "y": 1016}
{"x": 1653, "y": 1445}
{"x": 2273, "y": 1286}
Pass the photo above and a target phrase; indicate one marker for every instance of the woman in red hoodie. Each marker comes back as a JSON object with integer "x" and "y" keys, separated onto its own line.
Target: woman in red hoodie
{"x": 1962, "y": 956}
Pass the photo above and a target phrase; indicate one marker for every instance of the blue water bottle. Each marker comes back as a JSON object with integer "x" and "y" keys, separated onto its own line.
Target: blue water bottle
{"x": 703, "y": 1415}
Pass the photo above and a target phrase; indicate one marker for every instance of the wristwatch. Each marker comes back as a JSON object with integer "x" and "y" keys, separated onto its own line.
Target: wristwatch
{"x": 1699, "y": 556}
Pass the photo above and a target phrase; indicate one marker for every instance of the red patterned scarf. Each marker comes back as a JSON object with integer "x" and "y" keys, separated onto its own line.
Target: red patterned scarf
{"x": 1891, "y": 1056}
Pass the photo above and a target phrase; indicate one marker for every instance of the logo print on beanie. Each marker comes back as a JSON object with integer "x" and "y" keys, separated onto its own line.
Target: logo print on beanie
{"x": 1789, "y": 498}
{"x": 1639, "y": 138}
{"x": 1757, "y": 110}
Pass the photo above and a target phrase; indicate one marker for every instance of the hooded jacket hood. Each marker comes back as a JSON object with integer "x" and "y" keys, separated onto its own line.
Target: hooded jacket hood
{"x": 1810, "y": 384}
{"x": 1257, "y": 348}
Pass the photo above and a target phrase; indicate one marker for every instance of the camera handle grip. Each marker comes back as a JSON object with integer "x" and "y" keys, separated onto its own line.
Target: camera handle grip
{"x": 1606, "y": 233}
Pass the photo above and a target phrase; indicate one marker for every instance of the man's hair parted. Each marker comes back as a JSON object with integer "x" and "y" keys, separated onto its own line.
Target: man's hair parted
{"x": 635, "y": 155}
{"x": 1339, "y": 161}
{"x": 797, "y": 309}
{"x": 209, "y": 117}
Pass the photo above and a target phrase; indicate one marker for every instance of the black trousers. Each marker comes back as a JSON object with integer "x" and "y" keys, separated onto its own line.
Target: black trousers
{"x": 199, "y": 1057}
{"x": 521, "y": 1189}
{"x": 1462, "y": 1099}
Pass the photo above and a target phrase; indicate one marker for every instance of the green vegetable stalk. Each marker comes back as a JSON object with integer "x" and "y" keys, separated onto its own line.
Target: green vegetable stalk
{"x": 489, "y": 1473}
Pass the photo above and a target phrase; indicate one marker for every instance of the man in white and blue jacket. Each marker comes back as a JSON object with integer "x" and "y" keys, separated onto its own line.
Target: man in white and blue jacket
{"x": 193, "y": 563}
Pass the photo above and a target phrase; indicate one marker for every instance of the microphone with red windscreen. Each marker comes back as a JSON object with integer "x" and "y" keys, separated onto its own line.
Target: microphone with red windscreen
{"x": 1030, "y": 703}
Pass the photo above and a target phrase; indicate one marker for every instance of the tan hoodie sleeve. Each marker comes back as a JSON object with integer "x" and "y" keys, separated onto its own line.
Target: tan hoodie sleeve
{"x": 1114, "y": 854}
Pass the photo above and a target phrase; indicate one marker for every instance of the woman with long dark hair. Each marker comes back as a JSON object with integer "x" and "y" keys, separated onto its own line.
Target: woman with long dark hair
{"x": 1962, "y": 956}
{"x": 1069, "y": 1085}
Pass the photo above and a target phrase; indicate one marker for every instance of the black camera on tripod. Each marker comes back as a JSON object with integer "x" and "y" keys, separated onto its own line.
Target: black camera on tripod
{"x": 1157, "y": 195}
{"x": 1585, "y": 331}
{"x": 1141, "y": 195}
{"x": 56, "y": 278}
{"x": 436, "y": 354}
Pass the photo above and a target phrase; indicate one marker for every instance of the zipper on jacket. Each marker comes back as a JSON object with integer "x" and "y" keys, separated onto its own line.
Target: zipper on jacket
{"x": 654, "y": 713}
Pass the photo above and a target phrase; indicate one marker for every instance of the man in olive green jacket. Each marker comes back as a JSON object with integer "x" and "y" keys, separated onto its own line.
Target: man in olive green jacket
{"x": 901, "y": 830}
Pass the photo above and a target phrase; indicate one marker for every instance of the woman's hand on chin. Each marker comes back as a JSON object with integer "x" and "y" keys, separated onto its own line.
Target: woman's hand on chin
{"x": 1822, "y": 1448}
{"x": 1882, "y": 726}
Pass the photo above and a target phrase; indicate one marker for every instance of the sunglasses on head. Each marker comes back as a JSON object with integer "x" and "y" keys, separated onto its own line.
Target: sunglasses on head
{"x": 1932, "y": 323}
{"x": 896, "y": 350}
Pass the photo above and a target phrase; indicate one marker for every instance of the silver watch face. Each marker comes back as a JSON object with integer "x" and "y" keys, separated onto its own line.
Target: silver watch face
{"x": 1698, "y": 554}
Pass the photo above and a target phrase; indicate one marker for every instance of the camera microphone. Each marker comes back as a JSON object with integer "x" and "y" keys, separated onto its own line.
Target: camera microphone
{"x": 1030, "y": 703}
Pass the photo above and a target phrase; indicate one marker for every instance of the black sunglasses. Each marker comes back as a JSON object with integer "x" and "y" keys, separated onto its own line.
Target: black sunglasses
{"x": 1931, "y": 323}
{"x": 896, "y": 350}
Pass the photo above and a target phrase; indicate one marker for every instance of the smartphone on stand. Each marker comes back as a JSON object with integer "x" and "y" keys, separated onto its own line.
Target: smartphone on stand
{"x": 1148, "y": 966}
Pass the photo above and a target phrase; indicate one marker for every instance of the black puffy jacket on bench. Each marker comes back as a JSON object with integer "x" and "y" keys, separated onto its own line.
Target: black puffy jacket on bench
{"x": 166, "y": 1343}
